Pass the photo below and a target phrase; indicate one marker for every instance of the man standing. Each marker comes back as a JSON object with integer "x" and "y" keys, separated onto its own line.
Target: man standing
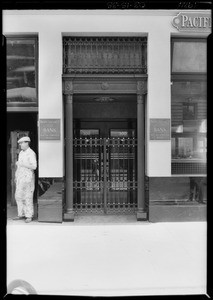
{"x": 25, "y": 180}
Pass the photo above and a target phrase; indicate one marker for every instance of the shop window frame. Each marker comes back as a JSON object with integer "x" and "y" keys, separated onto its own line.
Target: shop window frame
{"x": 187, "y": 76}
{"x": 25, "y": 106}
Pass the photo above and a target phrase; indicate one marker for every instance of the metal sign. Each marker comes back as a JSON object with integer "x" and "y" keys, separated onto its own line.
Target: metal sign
{"x": 49, "y": 129}
{"x": 192, "y": 22}
{"x": 159, "y": 129}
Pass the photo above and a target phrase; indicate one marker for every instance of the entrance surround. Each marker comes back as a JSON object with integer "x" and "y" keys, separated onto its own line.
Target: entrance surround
{"x": 104, "y": 85}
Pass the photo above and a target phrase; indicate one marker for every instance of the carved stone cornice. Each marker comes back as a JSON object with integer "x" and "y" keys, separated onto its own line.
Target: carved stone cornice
{"x": 101, "y": 85}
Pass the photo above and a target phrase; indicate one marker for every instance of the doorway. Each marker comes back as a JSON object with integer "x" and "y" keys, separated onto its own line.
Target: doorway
{"x": 105, "y": 174}
{"x": 18, "y": 125}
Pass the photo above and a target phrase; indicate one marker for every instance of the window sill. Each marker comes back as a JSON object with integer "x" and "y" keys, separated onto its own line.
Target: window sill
{"x": 188, "y": 160}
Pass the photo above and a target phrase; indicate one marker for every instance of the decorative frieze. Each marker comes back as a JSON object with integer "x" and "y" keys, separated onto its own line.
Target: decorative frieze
{"x": 109, "y": 85}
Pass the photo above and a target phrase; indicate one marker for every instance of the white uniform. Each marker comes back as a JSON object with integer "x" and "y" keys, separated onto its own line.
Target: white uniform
{"x": 25, "y": 183}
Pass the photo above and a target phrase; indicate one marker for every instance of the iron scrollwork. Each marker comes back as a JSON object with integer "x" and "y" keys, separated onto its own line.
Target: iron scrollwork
{"x": 98, "y": 55}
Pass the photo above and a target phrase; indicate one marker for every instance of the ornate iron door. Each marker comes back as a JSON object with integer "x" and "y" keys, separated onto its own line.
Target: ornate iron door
{"x": 105, "y": 172}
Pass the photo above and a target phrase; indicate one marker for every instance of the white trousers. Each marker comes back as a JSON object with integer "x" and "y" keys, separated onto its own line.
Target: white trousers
{"x": 24, "y": 198}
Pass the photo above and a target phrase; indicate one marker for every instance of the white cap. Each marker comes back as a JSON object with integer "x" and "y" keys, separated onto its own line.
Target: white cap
{"x": 24, "y": 139}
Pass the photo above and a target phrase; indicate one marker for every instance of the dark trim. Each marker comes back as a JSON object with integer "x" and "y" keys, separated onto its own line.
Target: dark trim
{"x": 189, "y": 77}
{"x": 108, "y": 76}
{"x": 22, "y": 109}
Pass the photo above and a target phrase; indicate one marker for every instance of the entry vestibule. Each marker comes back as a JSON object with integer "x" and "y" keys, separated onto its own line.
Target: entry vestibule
{"x": 113, "y": 113}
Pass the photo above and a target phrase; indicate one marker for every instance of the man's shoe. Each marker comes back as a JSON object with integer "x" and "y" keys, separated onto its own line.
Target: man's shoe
{"x": 28, "y": 220}
{"x": 18, "y": 218}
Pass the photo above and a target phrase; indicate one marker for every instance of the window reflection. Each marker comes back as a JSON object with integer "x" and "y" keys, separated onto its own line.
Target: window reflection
{"x": 21, "y": 70}
{"x": 189, "y": 56}
{"x": 189, "y": 110}
{"x": 184, "y": 147}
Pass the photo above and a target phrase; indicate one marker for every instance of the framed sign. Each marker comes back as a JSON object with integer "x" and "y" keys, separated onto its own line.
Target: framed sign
{"x": 49, "y": 129}
{"x": 192, "y": 22}
{"x": 159, "y": 129}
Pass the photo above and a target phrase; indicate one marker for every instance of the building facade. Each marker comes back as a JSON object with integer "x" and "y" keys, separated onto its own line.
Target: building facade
{"x": 115, "y": 103}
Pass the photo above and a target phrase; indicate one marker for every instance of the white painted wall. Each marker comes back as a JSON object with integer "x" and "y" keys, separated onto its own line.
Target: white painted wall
{"x": 51, "y": 25}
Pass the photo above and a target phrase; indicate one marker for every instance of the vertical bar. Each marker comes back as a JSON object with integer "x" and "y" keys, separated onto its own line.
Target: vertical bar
{"x": 141, "y": 214}
{"x": 81, "y": 175}
{"x": 128, "y": 172}
{"x": 123, "y": 175}
{"x": 105, "y": 176}
{"x": 91, "y": 177}
{"x": 69, "y": 215}
{"x": 102, "y": 171}
{"x": 116, "y": 158}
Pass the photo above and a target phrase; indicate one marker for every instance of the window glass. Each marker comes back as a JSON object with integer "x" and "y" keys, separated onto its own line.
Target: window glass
{"x": 89, "y": 133}
{"x": 120, "y": 133}
{"x": 188, "y": 111}
{"x": 189, "y": 123}
{"x": 189, "y": 56}
{"x": 185, "y": 147}
{"x": 21, "y": 70}
{"x": 173, "y": 147}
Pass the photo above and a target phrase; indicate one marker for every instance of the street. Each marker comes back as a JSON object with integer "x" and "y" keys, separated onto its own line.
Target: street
{"x": 106, "y": 258}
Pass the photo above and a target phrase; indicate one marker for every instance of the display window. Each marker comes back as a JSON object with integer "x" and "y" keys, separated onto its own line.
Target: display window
{"x": 188, "y": 103}
{"x": 22, "y": 61}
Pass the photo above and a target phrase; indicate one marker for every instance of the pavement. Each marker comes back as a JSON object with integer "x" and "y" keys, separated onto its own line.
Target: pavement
{"x": 108, "y": 256}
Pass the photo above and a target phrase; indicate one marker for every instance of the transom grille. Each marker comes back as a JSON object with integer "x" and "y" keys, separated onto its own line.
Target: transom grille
{"x": 84, "y": 55}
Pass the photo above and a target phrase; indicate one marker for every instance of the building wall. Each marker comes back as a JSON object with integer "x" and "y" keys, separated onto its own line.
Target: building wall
{"x": 50, "y": 26}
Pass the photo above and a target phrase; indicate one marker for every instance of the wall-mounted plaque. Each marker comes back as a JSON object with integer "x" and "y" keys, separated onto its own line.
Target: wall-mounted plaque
{"x": 159, "y": 129}
{"x": 49, "y": 129}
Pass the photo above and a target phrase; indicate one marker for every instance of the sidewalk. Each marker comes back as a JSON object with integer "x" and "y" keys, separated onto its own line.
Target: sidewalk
{"x": 102, "y": 257}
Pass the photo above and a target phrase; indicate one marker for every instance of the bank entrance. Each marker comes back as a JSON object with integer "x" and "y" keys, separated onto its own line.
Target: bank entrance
{"x": 104, "y": 86}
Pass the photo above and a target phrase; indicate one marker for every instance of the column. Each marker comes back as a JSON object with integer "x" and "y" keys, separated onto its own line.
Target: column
{"x": 141, "y": 213}
{"x": 69, "y": 214}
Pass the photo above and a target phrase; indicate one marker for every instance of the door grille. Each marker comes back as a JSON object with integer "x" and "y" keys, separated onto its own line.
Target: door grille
{"x": 105, "y": 175}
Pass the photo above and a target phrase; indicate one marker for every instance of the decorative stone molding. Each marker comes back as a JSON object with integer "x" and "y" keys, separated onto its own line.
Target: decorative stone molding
{"x": 105, "y": 85}
{"x": 68, "y": 87}
{"x": 141, "y": 87}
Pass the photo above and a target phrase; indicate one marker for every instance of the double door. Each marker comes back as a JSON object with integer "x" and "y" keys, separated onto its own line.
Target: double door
{"x": 105, "y": 166}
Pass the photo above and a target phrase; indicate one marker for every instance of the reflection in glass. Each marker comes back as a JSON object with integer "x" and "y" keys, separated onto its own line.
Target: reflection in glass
{"x": 189, "y": 123}
{"x": 21, "y": 70}
{"x": 185, "y": 147}
{"x": 189, "y": 56}
{"x": 188, "y": 111}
